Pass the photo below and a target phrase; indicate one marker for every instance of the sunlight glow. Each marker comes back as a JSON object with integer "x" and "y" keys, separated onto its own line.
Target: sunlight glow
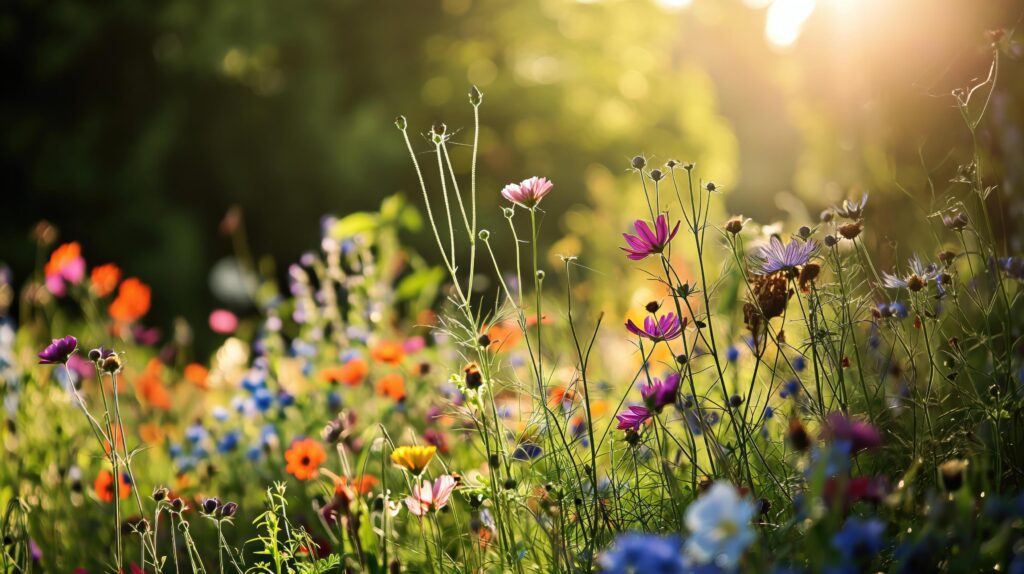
{"x": 674, "y": 4}
{"x": 785, "y": 20}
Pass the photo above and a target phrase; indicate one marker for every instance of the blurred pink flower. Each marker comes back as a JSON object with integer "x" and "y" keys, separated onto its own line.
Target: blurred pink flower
{"x": 427, "y": 496}
{"x": 528, "y": 192}
{"x": 223, "y": 321}
{"x": 66, "y": 264}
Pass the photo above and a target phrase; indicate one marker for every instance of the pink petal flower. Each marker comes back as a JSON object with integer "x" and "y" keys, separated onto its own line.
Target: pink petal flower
{"x": 223, "y": 321}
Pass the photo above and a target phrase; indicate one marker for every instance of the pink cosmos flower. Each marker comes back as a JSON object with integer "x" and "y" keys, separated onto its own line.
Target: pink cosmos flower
{"x": 427, "y": 496}
{"x": 528, "y": 192}
{"x": 664, "y": 328}
{"x": 648, "y": 241}
{"x": 223, "y": 321}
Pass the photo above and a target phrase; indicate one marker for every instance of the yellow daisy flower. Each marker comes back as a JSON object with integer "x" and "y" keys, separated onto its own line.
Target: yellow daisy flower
{"x": 413, "y": 458}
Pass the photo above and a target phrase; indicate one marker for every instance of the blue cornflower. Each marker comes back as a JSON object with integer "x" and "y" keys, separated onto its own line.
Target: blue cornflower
{"x": 333, "y": 401}
{"x": 228, "y": 442}
{"x": 527, "y": 451}
{"x": 195, "y": 432}
{"x": 732, "y": 354}
{"x": 776, "y": 257}
{"x": 263, "y": 399}
{"x": 799, "y": 364}
{"x": 859, "y": 538}
{"x": 220, "y": 414}
{"x": 253, "y": 381}
{"x": 253, "y": 453}
{"x": 644, "y": 553}
{"x": 790, "y": 389}
{"x": 286, "y": 399}
{"x": 769, "y": 412}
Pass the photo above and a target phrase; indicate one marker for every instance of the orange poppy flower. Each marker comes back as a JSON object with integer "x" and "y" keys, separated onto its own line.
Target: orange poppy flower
{"x": 115, "y": 431}
{"x": 598, "y": 407}
{"x": 197, "y": 375}
{"x": 104, "y": 486}
{"x": 151, "y": 389}
{"x": 351, "y": 373}
{"x": 504, "y": 335}
{"x": 362, "y": 485}
{"x": 304, "y": 458}
{"x": 388, "y": 352}
{"x": 391, "y": 385}
{"x": 104, "y": 279}
{"x": 151, "y": 433}
{"x": 62, "y": 257}
{"x": 132, "y": 302}
{"x": 558, "y": 395}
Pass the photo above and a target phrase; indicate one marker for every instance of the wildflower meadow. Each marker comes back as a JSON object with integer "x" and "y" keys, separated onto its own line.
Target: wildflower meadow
{"x": 436, "y": 386}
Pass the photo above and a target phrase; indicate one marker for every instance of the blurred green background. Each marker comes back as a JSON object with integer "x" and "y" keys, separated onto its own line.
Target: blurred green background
{"x": 134, "y": 126}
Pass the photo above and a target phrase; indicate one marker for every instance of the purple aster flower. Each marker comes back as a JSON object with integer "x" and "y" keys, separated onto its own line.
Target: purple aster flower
{"x": 633, "y": 417}
{"x": 59, "y": 351}
{"x": 918, "y": 277}
{"x": 859, "y": 434}
{"x": 1013, "y": 267}
{"x": 665, "y": 328}
{"x": 648, "y": 241}
{"x": 658, "y": 394}
{"x": 852, "y": 209}
{"x": 528, "y": 192}
{"x": 779, "y": 257}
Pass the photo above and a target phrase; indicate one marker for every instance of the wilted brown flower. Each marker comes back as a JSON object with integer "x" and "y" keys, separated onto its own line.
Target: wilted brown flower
{"x": 851, "y": 230}
{"x": 770, "y": 297}
{"x": 807, "y": 276}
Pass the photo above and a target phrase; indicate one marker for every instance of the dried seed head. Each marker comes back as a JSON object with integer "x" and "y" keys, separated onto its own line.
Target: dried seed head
{"x": 850, "y": 230}
{"x": 652, "y": 307}
{"x": 657, "y": 175}
{"x": 638, "y": 162}
{"x": 734, "y": 225}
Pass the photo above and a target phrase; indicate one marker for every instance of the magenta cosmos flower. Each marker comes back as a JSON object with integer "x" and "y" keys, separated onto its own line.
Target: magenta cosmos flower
{"x": 859, "y": 434}
{"x": 427, "y": 496}
{"x": 633, "y": 417}
{"x": 59, "y": 351}
{"x": 648, "y": 241}
{"x": 528, "y": 192}
{"x": 665, "y": 328}
{"x": 658, "y": 394}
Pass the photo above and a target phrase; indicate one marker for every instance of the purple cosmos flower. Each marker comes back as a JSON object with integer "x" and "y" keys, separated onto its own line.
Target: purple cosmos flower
{"x": 528, "y": 192}
{"x": 658, "y": 394}
{"x": 648, "y": 241}
{"x": 58, "y": 351}
{"x": 656, "y": 329}
{"x": 633, "y": 417}
{"x": 858, "y": 434}
{"x": 778, "y": 257}
{"x": 919, "y": 276}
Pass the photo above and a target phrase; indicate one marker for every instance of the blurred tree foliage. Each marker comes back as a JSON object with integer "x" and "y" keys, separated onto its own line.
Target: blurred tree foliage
{"x": 134, "y": 126}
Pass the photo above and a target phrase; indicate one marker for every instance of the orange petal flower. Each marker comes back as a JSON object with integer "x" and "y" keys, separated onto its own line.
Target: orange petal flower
{"x": 197, "y": 375}
{"x": 104, "y": 486}
{"x": 304, "y": 458}
{"x": 63, "y": 256}
{"x": 351, "y": 373}
{"x": 391, "y": 385}
{"x": 151, "y": 389}
{"x": 388, "y": 352}
{"x": 103, "y": 279}
{"x": 132, "y": 302}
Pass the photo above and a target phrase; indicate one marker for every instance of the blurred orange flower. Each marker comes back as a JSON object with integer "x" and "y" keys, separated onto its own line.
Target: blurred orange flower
{"x": 197, "y": 375}
{"x": 151, "y": 389}
{"x": 115, "y": 431}
{"x": 151, "y": 433}
{"x": 361, "y": 485}
{"x": 351, "y": 373}
{"x": 388, "y": 352}
{"x": 391, "y": 385}
{"x": 304, "y": 458}
{"x": 132, "y": 302}
{"x": 104, "y": 486}
{"x": 103, "y": 279}
{"x": 62, "y": 257}
{"x": 504, "y": 335}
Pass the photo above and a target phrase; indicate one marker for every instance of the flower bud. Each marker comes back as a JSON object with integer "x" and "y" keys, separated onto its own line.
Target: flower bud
{"x": 484, "y": 235}
{"x": 653, "y": 307}
{"x": 804, "y": 232}
{"x": 639, "y": 162}
{"x": 400, "y": 123}
{"x": 160, "y": 493}
{"x": 831, "y": 241}
{"x": 210, "y": 505}
{"x": 228, "y": 510}
{"x": 657, "y": 175}
{"x": 734, "y": 225}
{"x": 540, "y": 274}
{"x": 476, "y": 97}
{"x": 827, "y": 215}
{"x": 850, "y": 230}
